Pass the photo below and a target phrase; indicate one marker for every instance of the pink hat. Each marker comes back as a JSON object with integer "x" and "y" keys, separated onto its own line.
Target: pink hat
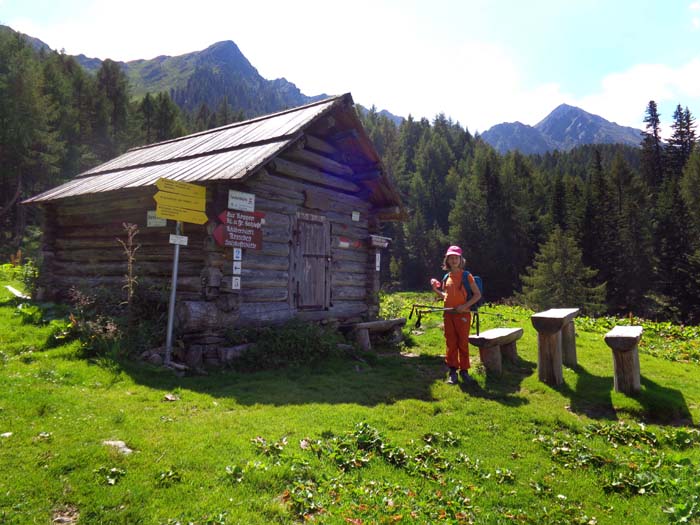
{"x": 454, "y": 250}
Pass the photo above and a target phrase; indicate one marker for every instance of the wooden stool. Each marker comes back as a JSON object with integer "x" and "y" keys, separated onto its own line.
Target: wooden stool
{"x": 495, "y": 345}
{"x": 556, "y": 338}
{"x": 362, "y": 330}
{"x": 624, "y": 340}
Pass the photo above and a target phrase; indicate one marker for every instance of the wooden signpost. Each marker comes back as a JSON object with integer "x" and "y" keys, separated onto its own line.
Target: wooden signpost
{"x": 181, "y": 202}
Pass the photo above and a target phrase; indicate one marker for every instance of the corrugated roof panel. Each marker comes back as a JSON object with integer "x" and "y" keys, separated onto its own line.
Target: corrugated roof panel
{"x": 225, "y": 165}
{"x": 233, "y": 136}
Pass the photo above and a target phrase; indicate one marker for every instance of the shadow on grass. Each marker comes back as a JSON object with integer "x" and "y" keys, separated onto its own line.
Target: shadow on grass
{"x": 375, "y": 379}
{"x": 503, "y": 389}
{"x": 658, "y": 404}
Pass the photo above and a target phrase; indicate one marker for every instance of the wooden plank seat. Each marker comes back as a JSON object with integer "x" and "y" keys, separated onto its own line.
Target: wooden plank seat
{"x": 495, "y": 345}
{"x": 556, "y": 343}
{"x": 362, "y": 330}
{"x": 623, "y": 341}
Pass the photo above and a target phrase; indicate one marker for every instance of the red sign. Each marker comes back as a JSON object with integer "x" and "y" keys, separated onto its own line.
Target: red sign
{"x": 240, "y": 229}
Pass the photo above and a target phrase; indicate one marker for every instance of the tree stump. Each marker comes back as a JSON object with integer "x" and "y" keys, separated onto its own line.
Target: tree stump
{"x": 623, "y": 341}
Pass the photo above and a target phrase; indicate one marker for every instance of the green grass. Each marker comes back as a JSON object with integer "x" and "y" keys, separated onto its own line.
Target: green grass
{"x": 380, "y": 439}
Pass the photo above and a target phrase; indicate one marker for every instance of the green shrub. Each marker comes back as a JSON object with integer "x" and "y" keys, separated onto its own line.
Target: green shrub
{"x": 294, "y": 343}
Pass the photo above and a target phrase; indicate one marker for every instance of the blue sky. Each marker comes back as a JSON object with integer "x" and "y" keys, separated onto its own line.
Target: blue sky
{"x": 480, "y": 62}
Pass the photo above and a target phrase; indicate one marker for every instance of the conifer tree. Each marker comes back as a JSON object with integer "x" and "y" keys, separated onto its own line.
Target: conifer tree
{"x": 652, "y": 148}
{"x": 558, "y": 278}
{"x": 147, "y": 109}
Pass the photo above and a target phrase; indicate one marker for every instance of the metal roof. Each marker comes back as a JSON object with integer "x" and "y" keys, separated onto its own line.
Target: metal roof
{"x": 229, "y": 152}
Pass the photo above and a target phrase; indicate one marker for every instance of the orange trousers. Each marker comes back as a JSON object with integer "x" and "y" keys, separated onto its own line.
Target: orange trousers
{"x": 457, "y": 338}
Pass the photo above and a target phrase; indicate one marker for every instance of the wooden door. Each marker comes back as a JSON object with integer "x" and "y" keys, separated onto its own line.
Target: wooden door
{"x": 313, "y": 262}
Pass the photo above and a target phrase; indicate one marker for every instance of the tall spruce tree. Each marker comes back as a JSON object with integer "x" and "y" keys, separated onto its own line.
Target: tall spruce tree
{"x": 558, "y": 278}
{"x": 652, "y": 148}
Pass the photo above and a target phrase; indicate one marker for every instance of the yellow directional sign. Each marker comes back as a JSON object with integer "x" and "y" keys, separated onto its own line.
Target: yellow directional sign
{"x": 181, "y": 188}
{"x": 180, "y": 201}
{"x": 181, "y": 214}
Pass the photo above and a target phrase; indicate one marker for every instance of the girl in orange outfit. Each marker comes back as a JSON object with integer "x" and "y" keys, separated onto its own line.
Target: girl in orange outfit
{"x": 458, "y": 320}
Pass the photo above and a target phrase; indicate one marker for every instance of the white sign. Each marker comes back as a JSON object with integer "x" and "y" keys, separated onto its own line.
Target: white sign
{"x": 178, "y": 239}
{"x": 241, "y": 201}
{"x": 155, "y": 222}
{"x": 237, "y": 254}
{"x": 236, "y": 267}
{"x": 235, "y": 283}
{"x": 378, "y": 261}
{"x": 356, "y": 216}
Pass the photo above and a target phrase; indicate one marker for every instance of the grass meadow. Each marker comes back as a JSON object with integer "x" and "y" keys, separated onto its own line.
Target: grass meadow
{"x": 365, "y": 438}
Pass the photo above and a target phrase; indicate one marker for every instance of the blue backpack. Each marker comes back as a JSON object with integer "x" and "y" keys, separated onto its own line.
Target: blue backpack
{"x": 468, "y": 289}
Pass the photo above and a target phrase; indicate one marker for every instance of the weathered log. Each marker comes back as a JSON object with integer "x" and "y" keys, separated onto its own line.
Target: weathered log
{"x": 624, "y": 340}
{"x": 549, "y": 326}
{"x": 549, "y": 361}
{"x": 341, "y": 201}
{"x": 348, "y": 279}
{"x": 320, "y": 145}
{"x": 568, "y": 345}
{"x": 198, "y": 316}
{"x": 382, "y": 325}
{"x": 260, "y": 313}
{"x": 342, "y": 312}
{"x": 492, "y": 359}
{"x": 360, "y": 255}
{"x": 315, "y": 160}
{"x": 352, "y": 293}
{"x": 292, "y": 169}
{"x": 363, "y": 340}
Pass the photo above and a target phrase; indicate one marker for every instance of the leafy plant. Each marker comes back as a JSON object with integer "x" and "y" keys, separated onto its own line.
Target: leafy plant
{"x": 168, "y": 478}
{"x": 109, "y": 475}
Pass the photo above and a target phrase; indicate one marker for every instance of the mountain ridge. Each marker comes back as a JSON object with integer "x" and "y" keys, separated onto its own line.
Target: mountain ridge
{"x": 222, "y": 70}
{"x": 564, "y": 128}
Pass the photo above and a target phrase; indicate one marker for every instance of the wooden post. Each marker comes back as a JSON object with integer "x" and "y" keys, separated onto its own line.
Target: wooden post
{"x": 362, "y": 338}
{"x": 568, "y": 344}
{"x": 549, "y": 325}
{"x": 491, "y": 358}
{"x": 549, "y": 362}
{"x": 623, "y": 341}
{"x": 509, "y": 352}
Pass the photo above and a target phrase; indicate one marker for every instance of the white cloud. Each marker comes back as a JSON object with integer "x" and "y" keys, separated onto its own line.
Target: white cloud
{"x": 695, "y": 6}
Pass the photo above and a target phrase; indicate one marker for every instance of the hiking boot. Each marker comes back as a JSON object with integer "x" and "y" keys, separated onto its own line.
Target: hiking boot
{"x": 452, "y": 377}
{"x": 466, "y": 378}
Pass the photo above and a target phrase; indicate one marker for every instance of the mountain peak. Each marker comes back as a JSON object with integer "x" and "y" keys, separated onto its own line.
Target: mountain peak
{"x": 564, "y": 128}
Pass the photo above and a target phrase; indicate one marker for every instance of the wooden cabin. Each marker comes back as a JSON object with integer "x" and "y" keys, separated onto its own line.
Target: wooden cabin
{"x": 307, "y": 181}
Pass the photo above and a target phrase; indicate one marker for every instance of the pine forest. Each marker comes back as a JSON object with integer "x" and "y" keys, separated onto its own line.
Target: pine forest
{"x": 609, "y": 228}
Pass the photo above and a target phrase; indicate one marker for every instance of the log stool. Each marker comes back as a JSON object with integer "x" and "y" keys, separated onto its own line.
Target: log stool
{"x": 362, "y": 330}
{"x": 624, "y": 340}
{"x": 495, "y": 345}
{"x": 556, "y": 343}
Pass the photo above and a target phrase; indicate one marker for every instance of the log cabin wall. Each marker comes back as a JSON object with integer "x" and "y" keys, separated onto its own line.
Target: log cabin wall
{"x": 80, "y": 247}
{"x": 270, "y": 277}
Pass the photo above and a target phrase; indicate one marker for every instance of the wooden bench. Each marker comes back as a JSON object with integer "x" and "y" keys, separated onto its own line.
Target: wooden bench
{"x": 556, "y": 343}
{"x": 362, "y": 330}
{"x": 17, "y": 293}
{"x": 624, "y": 340}
{"x": 495, "y": 345}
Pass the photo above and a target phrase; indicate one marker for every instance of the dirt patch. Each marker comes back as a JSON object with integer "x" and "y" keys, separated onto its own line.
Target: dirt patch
{"x": 66, "y": 515}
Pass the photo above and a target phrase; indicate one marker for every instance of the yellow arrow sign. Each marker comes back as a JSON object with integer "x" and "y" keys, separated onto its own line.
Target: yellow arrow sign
{"x": 181, "y": 188}
{"x": 180, "y": 201}
{"x": 180, "y": 214}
